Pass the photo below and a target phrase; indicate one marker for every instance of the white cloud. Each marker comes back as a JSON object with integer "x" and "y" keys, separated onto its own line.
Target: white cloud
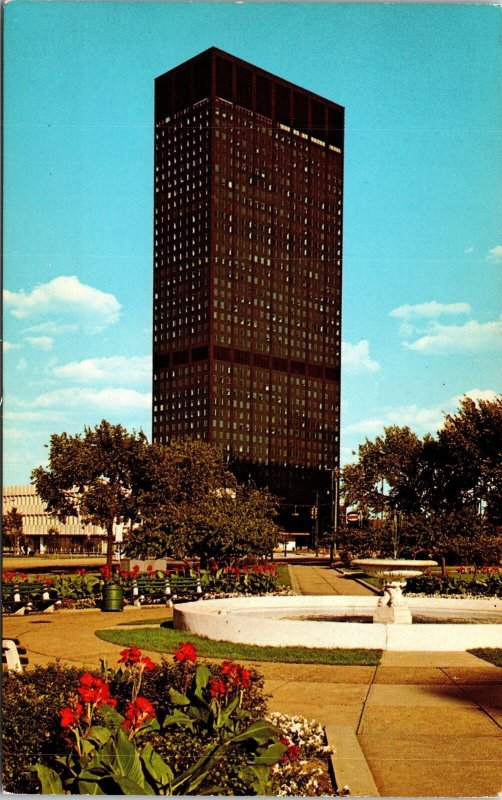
{"x": 477, "y": 394}
{"x": 104, "y": 399}
{"x": 430, "y": 309}
{"x": 41, "y": 342}
{"x": 495, "y": 254}
{"x": 471, "y": 337}
{"x": 51, "y": 328}
{"x": 356, "y": 357}
{"x": 9, "y": 346}
{"x": 114, "y": 369}
{"x": 469, "y": 250}
{"x": 74, "y": 304}
{"x": 22, "y": 364}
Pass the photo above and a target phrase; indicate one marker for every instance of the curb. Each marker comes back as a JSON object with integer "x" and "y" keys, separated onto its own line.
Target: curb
{"x": 351, "y": 771}
{"x": 294, "y": 581}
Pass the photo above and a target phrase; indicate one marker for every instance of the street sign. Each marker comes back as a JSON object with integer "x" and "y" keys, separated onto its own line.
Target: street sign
{"x": 353, "y": 516}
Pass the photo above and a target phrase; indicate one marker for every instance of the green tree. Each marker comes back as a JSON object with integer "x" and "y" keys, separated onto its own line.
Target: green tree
{"x": 13, "y": 529}
{"x": 440, "y": 495}
{"x": 384, "y": 482}
{"x": 471, "y": 445}
{"x": 98, "y": 475}
{"x": 193, "y": 506}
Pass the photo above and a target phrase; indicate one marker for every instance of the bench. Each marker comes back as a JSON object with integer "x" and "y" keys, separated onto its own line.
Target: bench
{"x": 13, "y": 655}
{"x": 147, "y": 589}
{"x": 21, "y": 598}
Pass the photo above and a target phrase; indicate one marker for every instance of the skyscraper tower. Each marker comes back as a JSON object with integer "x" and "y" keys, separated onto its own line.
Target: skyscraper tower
{"x": 247, "y": 270}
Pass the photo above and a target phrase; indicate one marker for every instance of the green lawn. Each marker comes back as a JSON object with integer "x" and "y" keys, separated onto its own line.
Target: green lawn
{"x": 165, "y": 639}
{"x": 491, "y": 654}
{"x": 283, "y": 574}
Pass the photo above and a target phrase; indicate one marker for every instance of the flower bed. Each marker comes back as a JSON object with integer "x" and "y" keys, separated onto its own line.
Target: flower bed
{"x": 459, "y": 582}
{"x": 84, "y": 589}
{"x": 181, "y": 728}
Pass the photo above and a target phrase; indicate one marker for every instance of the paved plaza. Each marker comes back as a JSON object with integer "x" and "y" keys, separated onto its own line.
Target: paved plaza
{"x": 420, "y": 724}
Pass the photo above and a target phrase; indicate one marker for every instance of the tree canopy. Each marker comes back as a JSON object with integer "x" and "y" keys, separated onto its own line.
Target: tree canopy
{"x": 194, "y": 506}
{"x": 98, "y": 475}
{"x": 13, "y": 528}
{"x": 179, "y": 499}
{"x": 436, "y": 494}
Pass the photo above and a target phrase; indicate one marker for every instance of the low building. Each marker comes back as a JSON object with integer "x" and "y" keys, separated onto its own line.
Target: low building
{"x": 43, "y": 532}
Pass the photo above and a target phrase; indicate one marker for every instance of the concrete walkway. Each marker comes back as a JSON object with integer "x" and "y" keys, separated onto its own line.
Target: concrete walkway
{"x": 418, "y": 725}
{"x": 322, "y": 579}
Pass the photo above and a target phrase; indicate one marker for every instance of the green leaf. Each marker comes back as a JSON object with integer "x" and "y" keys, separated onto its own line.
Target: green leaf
{"x": 177, "y": 698}
{"x": 129, "y": 786}
{"x": 156, "y": 767}
{"x": 227, "y": 712}
{"x": 271, "y": 755}
{"x": 99, "y": 734}
{"x": 179, "y": 718}
{"x": 258, "y": 779}
{"x": 202, "y": 677}
{"x": 111, "y": 716}
{"x": 88, "y": 787}
{"x": 260, "y": 731}
{"x": 128, "y": 763}
{"x": 49, "y": 780}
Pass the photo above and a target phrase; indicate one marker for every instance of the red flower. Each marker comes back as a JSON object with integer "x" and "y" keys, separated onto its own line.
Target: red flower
{"x": 291, "y": 753}
{"x": 138, "y": 712}
{"x": 130, "y": 655}
{"x": 186, "y": 652}
{"x": 236, "y": 675}
{"x": 68, "y": 717}
{"x": 135, "y": 568}
{"x": 48, "y": 581}
{"x": 217, "y": 687}
{"x": 94, "y": 690}
{"x": 82, "y": 571}
{"x": 149, "y": 568}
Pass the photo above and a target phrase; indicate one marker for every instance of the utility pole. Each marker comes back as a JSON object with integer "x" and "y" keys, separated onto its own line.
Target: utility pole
{"x": 335, "y": 494}
{"x": 316, "y": 523}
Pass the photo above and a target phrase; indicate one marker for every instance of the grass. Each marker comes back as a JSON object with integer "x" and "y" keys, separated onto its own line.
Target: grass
{"x": 165, "y": 639}
{"x": 151, "y": 621}
{"x": 491, "y": 654}
{"x": 283, "y": 574}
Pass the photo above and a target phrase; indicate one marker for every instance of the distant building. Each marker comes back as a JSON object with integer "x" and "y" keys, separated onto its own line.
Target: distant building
{"x": 248, "y": 272}
{"x": 45, "y": 533}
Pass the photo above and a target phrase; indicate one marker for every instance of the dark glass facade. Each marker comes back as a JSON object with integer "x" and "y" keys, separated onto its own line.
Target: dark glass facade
{"x": 247, "y": 270}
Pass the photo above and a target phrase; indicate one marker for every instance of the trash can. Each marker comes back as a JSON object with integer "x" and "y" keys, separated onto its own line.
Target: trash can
{"x": 113, "y": 597}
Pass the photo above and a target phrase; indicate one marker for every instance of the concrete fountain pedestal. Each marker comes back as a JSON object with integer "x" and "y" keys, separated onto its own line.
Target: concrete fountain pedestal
{"x": 393, "y": 574}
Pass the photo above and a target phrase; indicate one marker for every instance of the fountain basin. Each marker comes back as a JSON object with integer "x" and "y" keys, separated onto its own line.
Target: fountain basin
{"x": 274, "y": 621}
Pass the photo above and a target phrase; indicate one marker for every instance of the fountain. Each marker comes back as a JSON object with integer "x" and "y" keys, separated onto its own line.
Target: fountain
{"x": 393, "y": 574}
{"x": 439, "y": 624}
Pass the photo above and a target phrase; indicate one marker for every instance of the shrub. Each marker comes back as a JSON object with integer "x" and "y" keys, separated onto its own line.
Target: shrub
{"x": 486, "y": 582}
{"x": 30, "y": 726}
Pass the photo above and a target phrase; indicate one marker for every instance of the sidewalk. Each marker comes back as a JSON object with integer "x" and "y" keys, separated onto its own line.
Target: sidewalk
{"x": 419, "y": 725}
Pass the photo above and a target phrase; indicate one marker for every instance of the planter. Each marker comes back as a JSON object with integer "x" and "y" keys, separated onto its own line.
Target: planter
{"x": 113, "y": 597}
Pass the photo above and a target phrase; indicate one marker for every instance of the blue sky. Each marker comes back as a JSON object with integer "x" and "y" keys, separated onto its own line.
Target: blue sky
{"x": 422, "y": 215}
